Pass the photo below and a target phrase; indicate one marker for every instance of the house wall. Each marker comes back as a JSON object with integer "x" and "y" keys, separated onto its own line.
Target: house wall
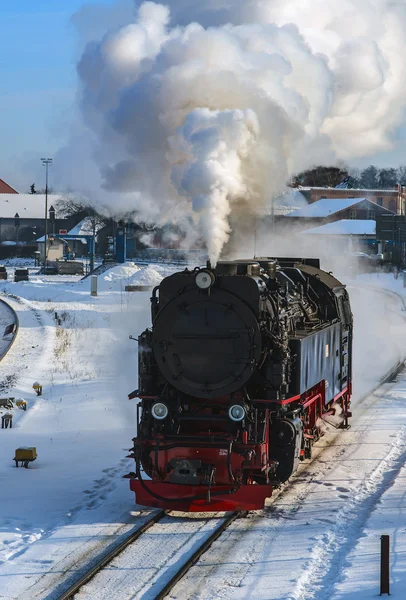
{"x": 29, "y": 229}
{"x": 394, "y": 201}
{"x": 54, "y": 250}
{"x": 362, "y": 210}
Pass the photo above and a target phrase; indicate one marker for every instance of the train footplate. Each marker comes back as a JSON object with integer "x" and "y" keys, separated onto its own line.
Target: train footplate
{"x": 183, "y": 498}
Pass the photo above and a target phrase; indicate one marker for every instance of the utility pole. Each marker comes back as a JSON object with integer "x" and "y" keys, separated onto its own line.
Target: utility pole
{"x": 46, "y": 162}
{"x": 17, "y": 225}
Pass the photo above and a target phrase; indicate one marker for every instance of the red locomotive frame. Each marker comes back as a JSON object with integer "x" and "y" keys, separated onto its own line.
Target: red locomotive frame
{"x": 235, "y": 495}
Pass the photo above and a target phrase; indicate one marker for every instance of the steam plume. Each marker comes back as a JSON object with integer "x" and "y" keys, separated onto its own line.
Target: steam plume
{"x": 195, "y": 110}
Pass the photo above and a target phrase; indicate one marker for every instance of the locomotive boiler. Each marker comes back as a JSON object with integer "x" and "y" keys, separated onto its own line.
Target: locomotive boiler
{"x": 242, "y": 364}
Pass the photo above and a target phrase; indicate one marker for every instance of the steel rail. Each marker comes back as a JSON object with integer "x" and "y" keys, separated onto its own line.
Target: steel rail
{"x": 193, "y": 558}
{"x": 17, "y": 326}
{"x": 86, "y": 577}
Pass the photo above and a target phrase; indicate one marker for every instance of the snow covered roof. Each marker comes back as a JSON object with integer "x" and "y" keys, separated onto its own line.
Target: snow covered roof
{"x": 326, "y": 207}
{"x": 345, "y": 227}
{"x": 366, "y": 190}
{"x": 85, "y": 227}
{"x": 28, "y": 206}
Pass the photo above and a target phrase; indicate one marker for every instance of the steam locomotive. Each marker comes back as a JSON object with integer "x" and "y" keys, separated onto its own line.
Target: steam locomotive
{"x": 242, "y": 364}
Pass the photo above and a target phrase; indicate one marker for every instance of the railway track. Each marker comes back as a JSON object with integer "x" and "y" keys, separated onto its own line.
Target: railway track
{"x": 183, "y": 560}
{"x": 162, "y": 586}
{"x": 75, "y": 587}
{"x": 193, "y": 558}
{"x": 165, "y": 577}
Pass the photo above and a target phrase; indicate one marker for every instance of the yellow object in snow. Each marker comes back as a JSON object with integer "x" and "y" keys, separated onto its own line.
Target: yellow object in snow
{"x": 29, "y": 453}
{"x": 38, "y": 388}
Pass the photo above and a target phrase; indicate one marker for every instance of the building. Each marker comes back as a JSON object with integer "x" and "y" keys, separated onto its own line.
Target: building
{"x": 352, "y": 234}
{"x": 22, "y": 217}
{"x": 393, "y": 200}
{"x": 5, "y": 188}
{"x": 55, "y": 249}
{"x": 329, "y": 210}
{"x": 79, "y": 235}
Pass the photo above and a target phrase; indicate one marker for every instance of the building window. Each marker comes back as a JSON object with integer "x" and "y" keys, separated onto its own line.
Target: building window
{"x": 371, "y": 215}
{"x": 353, "y": 214}
{"x": 379, "y": 201}
{"x": 323, "y": 198}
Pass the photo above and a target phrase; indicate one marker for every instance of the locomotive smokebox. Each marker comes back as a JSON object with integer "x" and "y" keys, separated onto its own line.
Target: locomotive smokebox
{"x": 207, "y": 343}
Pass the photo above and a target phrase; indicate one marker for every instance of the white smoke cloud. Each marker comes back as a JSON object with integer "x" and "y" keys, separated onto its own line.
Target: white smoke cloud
{"x": 195, "y": 111}
{"x": 206, "y": 155}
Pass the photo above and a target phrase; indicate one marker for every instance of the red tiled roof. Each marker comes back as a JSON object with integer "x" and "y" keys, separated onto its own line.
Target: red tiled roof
{"x": 5, "y": 188}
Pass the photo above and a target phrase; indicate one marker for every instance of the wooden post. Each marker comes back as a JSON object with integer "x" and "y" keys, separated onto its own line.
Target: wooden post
{"x": 7, "y": 421}
{"x": 385, "y": 565}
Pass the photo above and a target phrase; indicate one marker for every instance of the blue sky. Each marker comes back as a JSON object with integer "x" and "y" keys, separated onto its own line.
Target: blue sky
{"x": 37, "y": 80}
{"x": 38, "y": 53}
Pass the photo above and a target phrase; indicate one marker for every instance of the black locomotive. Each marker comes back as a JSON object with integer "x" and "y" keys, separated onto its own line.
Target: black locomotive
{"x": 240, "y": 367}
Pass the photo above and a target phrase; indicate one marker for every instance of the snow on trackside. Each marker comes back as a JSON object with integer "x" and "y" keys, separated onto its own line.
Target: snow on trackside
{"x": 119, "y": 276}
{"x": 72, "y": 501}
{"x": 113, "y": 278}
{"x": 146, "y": 276}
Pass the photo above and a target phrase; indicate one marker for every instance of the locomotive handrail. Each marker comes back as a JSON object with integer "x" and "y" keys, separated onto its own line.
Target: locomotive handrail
{"x": 195, "y": 417}
{"x": 206, "y": 336}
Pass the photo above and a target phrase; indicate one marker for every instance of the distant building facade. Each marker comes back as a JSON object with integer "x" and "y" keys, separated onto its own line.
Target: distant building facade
{"x": 329, "y": 210}
{"x": 22, "y": 217}
{"x": 393, "y": 200}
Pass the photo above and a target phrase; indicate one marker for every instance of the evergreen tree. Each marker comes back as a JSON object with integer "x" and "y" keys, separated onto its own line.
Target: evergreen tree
{"x": 387, "y": 178}
{"x": 369, "y": 178}
{"x": 320, "y": 177}
{"x": 32, "y": 189}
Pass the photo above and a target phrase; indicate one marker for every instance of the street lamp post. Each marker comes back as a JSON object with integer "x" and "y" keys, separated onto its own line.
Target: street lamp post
{"x": 17, "y": 225}
{"x": 46, "y": 162}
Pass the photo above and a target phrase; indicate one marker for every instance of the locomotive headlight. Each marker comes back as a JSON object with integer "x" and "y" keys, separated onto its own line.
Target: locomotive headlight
{"x": 159, "y": 411}
{"x": 204, "y": 279}
{"x": 236, "y": 412}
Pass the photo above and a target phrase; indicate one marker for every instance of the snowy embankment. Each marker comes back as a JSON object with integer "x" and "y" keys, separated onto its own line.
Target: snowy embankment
{"x": 78, "y": 348}
{"x": 72, "y": 501}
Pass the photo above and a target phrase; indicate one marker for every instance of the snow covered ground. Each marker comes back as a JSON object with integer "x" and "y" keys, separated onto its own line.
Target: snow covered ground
{"x": 78, "y": 348}
{"x": 72, "y": 501}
